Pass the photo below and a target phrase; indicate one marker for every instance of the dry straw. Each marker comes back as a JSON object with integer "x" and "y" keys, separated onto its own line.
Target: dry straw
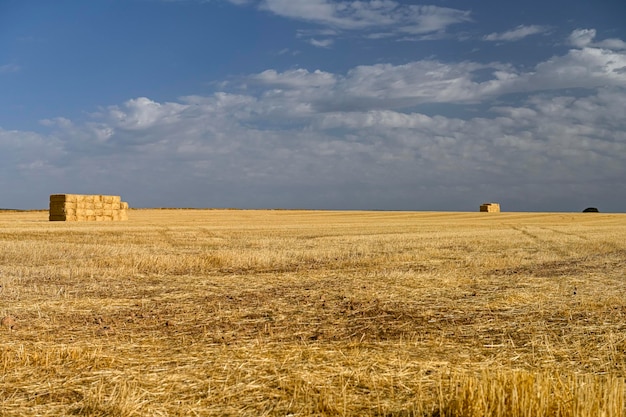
{"x": 76, "y": 207}
{"x": 490, "y": 208}
{"x": 311, "y": 313}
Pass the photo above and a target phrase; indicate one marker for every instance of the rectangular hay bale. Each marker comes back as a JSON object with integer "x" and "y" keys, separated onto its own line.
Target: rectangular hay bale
{"x": 490, "y": 208}
{"x": 79, "y": 207}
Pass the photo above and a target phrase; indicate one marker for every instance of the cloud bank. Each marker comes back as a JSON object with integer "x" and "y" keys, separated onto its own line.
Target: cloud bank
{"x": 552, "y": 137}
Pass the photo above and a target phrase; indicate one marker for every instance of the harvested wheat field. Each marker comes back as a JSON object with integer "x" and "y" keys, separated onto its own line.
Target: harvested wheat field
{"x": 299, "y": 313}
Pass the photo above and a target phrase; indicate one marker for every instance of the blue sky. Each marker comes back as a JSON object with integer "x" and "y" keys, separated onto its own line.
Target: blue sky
{"x": 381, "y": 104}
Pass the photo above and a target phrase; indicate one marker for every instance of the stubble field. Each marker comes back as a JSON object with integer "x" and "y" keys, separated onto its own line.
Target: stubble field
{"x": 298, "y": 313}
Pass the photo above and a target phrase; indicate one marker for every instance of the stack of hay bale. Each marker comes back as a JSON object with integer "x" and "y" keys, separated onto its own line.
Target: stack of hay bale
{"x": 75, "y": 207}
{"x": 490, "y": 208}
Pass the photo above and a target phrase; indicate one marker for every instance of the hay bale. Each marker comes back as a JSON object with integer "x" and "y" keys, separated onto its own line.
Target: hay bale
{"x": 490, "y": 208}
{"x": 78, "y": 207}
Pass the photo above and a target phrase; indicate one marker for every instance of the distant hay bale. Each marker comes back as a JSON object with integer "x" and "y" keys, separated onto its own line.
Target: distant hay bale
{"x": 77, "y": 207}
{"x": 490, "y": 208}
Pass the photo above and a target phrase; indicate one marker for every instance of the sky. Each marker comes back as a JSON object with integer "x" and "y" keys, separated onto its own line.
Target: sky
{"x": 315, "y": 104}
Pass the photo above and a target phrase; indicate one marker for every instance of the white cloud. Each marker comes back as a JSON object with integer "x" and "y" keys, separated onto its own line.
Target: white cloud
{"x": 581, "y": 38}
{"x": 580, "y": 68}
{"x": 516, "y": 34}
{"x": 322, "y": 43}
{"x": 428, "y": 19}
{"x": 229, "y": 141}
{"x": 611, "y": 44}
{"x": 385, "y": 18}
{"x": 366, "y": 15}
{"x": 142, "y": 113}
{"x": 387, "y": 86}
{"x": 57, "y": 121}
{"x": 299, "y": 78}
{"x": 416, "y": 82}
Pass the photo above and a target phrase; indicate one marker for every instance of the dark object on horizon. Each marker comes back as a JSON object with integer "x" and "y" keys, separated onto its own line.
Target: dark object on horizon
{"x": 591, "y": 210}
